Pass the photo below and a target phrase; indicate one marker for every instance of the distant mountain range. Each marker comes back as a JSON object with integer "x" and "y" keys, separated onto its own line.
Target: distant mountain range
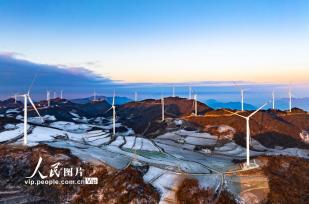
{"x": 119, "y": 100}
{"x": 281, "y": 104}
{"x": 231, "y": 105}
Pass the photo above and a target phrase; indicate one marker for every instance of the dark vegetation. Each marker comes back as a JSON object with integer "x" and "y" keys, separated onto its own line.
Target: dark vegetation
{"x": 4, "y": 121}
{"x": 9, "y": 104}
{"x": 17, "y": 162}
{"x": 226, "y": 198}
{"x": 145, "y": 116}
{"x": 61, "y": 109}
{"x": 270, "y": 128}
{"x": 190, "y": 192}
{"x": 126, "y": 186}
{"x": 288, "y": 180}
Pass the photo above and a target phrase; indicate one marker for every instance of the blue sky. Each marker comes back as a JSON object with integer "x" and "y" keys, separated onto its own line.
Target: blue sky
{"x": 163, "y": 40}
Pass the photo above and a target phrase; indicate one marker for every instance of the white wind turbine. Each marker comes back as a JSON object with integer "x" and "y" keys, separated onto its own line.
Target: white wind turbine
{"x": 14, "y": 97}
{"x": 26, "y": 99}
{"x": 273, "y": 99}
{"x": 248, "y": 131}
{"x": 162, "y": 108}
{"x": 173, "y": 95}
{"x": 113, "y": 108}
{"x": 195, "y": 104}
{"x": 61, "y": 94}
{"x": 290, "y": 98}
{"x": 241, "y": 94}
{"x": 190, "y": 92}
{"x": 48, "y": 98}
{"x": 55, "y": 95}
{"x": 94, "y": 95}
{"x": 114, "y": 115}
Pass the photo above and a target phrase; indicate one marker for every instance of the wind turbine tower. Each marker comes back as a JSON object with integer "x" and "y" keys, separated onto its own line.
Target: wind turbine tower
{"x": 114, "y": 115}
{"x": 26, "y": 99}
{"x": 94, "y": 95}
{"x": 241, "y": 95}
{"x": 162, "y": 108}
{"x": 61, "y": 94}
{"x": 273, "y": 99}
{"x": 247, "y": 118}
{"x": 242, "y": 99}
{"x": 290, "y": 99}
{"x": 195, "y": 104}
{"x": 48, "y": 98}
{"x": 173, "y": 91}
{"x": 190, "y": 92}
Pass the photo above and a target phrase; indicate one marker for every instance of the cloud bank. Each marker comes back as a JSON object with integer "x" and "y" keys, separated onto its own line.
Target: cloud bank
{"x": 17, "y": 75}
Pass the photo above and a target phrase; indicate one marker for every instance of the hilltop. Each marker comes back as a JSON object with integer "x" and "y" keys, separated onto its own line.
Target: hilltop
{"x": 145, "y": 116}
{"x": 270, "y": 127}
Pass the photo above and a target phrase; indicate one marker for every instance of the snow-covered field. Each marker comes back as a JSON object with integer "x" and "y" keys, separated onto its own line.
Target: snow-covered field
{"x": 12, "y": 132}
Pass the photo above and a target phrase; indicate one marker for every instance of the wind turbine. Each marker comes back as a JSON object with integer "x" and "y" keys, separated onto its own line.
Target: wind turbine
{"x": 173, "y": 91}
{"x": 247, "y": 131}
{"x": 162, "y": 108}
{"x": 61, "y": 94}
{"x": 14, "y": 97}
{"x": 241, "y": 94}
{"x": 273, "y": 99}
{"x": 113, "y": 108}
{"x": 94, "y": 95}
{"x": 290, "y": 98}
{"x": 190, "y": 94}
{"x": 55, "y": 95}
{"x": 195, "y": 104}
{"x": 114, "y": 115}
{"x": 26, "y": 99}
{"x": 48, "y": 98}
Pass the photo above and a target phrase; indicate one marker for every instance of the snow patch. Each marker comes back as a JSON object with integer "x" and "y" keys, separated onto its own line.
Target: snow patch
{"x": 71, "y": 127}
{"x": 15, "y": 110}
{"x": 10, "y": 126}
{"x": 10, "y": 134}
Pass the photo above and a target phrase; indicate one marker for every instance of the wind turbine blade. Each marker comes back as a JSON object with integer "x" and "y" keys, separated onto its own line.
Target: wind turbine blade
{"x": 257, "y": 110}
{"x": 235, "y": 84}
{"x": 109, "y": 109}
{"x": 235, "y": 113}
{"x": 33, "y": 80}
{"x": 36, "y": 110}
{"x": 113, "y": 99}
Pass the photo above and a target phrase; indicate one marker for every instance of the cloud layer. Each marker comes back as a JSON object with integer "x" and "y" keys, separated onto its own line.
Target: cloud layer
{"x": 17, "y": 75}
